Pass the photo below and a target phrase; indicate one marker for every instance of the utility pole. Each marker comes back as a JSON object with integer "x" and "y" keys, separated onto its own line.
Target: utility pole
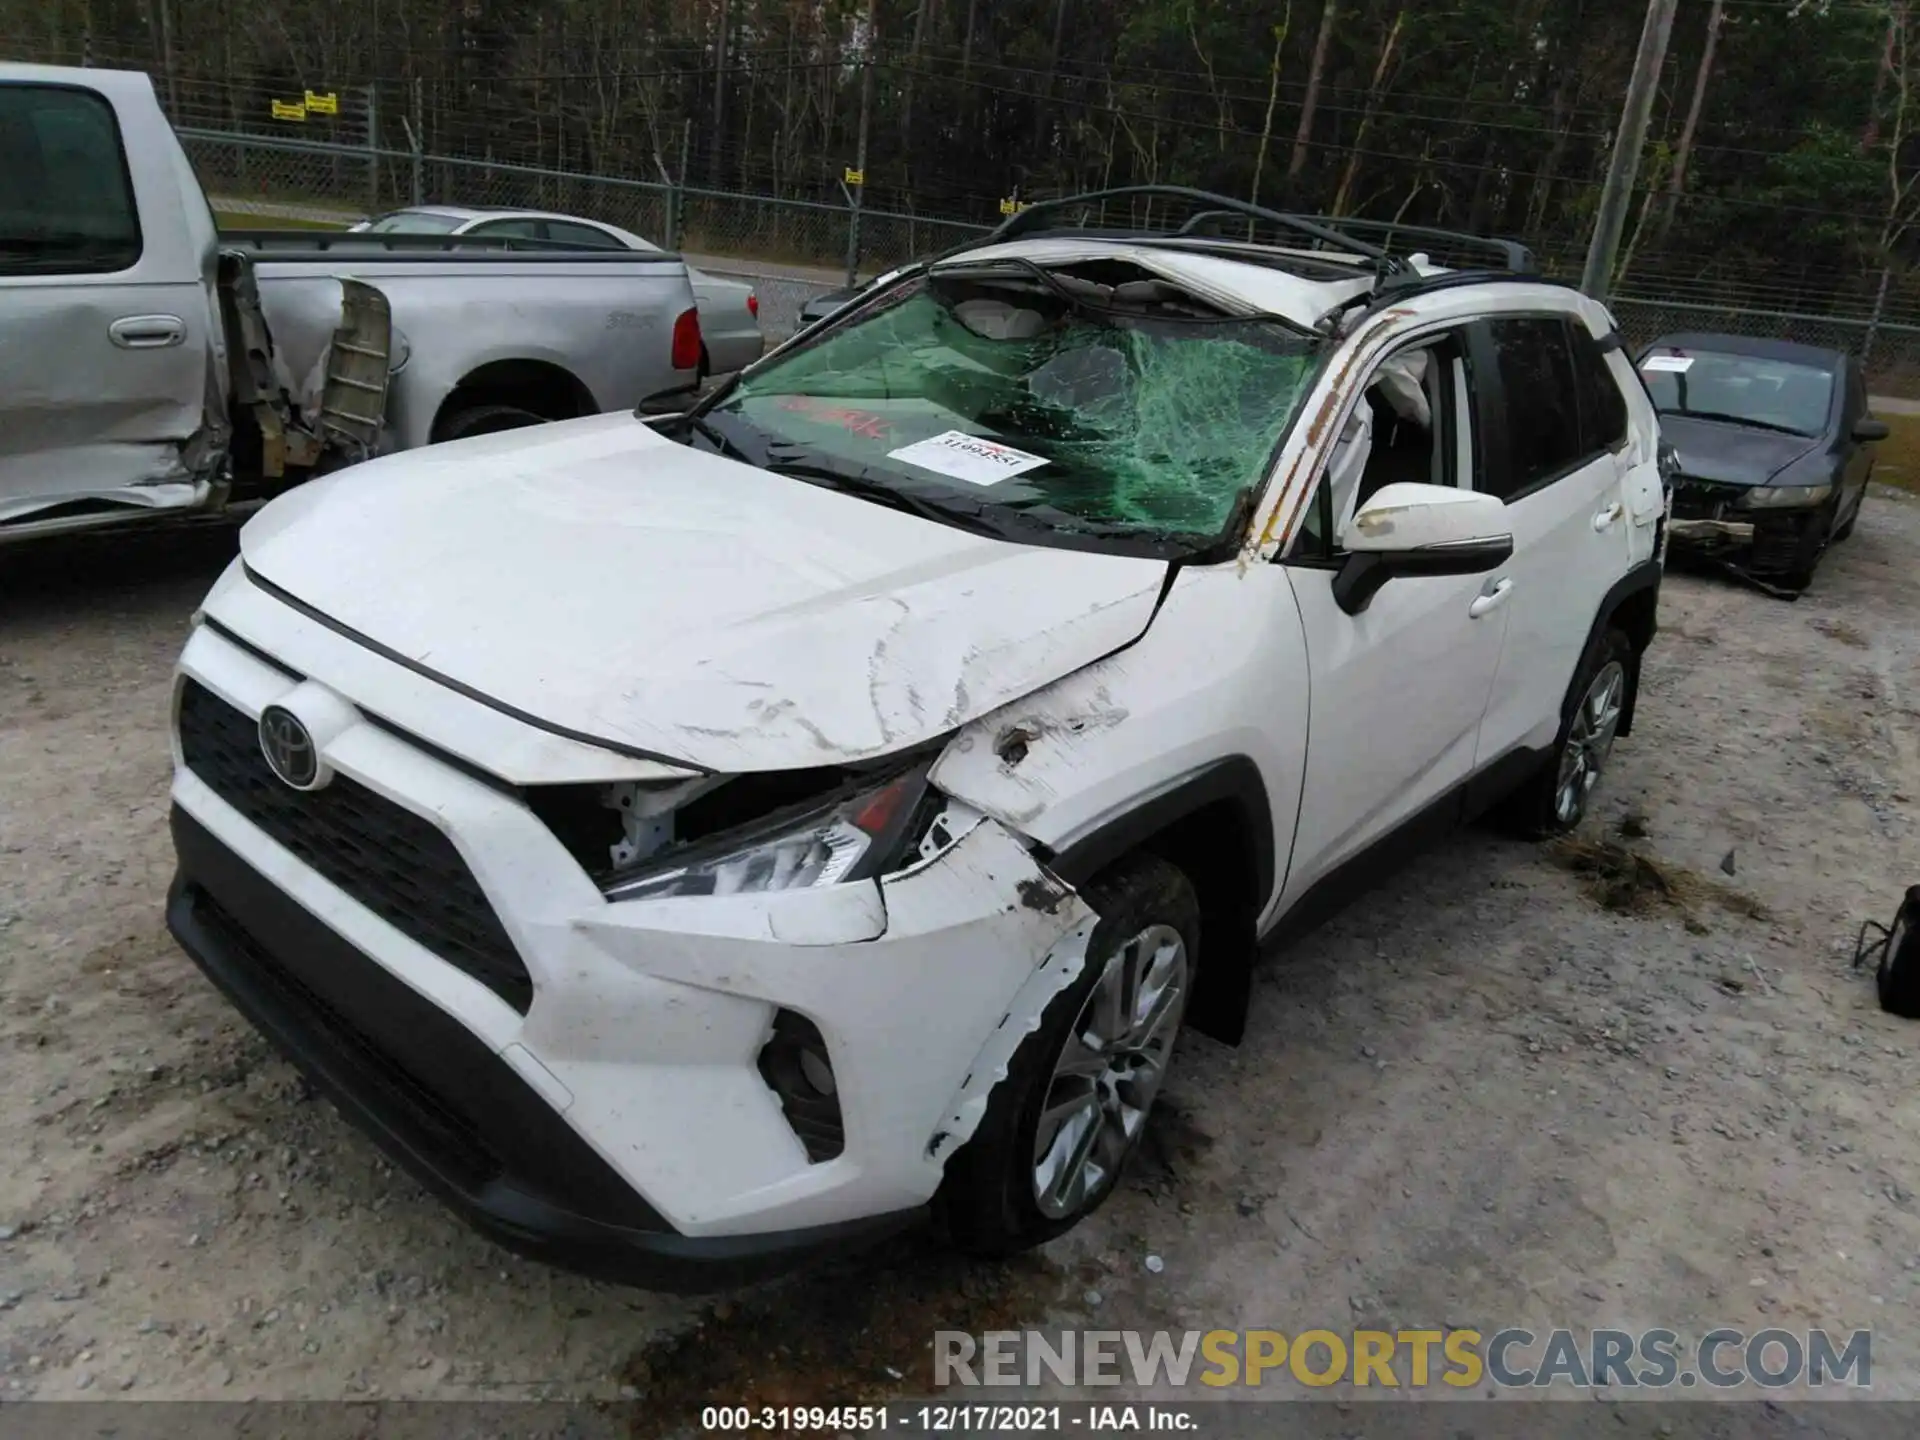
{"x": 718, "y": 147}
{"x": 858, "y": 189}
{"x": 1624, "y": 164}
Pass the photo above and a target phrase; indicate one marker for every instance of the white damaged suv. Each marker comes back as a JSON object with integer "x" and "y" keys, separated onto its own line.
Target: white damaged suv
{"x": 690, "y": 844}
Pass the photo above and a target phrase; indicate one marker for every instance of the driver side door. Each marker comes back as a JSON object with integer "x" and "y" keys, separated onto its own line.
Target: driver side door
{"x": 1397, "y": 691}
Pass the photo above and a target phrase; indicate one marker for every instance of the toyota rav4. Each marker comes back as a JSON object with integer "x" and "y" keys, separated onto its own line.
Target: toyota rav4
{"x": 692, "y": 843}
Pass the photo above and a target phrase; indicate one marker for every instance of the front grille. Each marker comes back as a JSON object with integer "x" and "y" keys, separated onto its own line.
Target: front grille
{"x": 394, "y": 862}
{"x": 1780, "y": 543}
{"x": 1703, "y": 500}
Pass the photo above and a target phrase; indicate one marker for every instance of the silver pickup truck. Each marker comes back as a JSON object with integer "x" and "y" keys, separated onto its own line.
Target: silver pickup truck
{"x": 150, "y": 366}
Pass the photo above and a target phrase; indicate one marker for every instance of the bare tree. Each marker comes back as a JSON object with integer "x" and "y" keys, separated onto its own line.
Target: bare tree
{"x": 1316, "y": 70}
{"x": 1677, "y": 180}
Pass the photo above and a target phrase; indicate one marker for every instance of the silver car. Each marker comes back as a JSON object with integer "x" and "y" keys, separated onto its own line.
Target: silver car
{"x": 729, "y": 310}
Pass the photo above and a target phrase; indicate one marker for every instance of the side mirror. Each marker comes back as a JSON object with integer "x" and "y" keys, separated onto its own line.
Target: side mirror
{"x": 1866, "y": 430}
{"x": 1407, "y": 530}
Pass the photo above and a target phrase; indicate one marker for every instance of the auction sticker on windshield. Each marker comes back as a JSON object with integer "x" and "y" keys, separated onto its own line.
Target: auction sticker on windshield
{"x": 1670, "y": 364}
{"x": 961, "y": 456}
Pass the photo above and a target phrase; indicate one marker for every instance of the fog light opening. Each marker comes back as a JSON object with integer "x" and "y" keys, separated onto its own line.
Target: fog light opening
{"x": 798, "y": 1069}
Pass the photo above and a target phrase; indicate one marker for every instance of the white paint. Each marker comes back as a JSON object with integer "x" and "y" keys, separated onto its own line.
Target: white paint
{"x": 630, "y": 589}
{"x": 596, "y": 577}
{"x": 960, "y": 456}
{"x": 1407, "y": 517}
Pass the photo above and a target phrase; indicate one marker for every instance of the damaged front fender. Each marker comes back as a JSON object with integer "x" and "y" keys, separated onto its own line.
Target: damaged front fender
{"x": 1057, "y": 971}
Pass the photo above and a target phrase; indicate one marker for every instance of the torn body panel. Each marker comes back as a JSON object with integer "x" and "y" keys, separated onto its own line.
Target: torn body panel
{"x": 959, "y": 947}
{"x": 1085, "y": 752}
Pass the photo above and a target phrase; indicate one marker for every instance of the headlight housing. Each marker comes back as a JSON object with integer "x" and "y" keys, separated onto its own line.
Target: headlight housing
{"x": 1785, "y": 497}
{"x": 849, "y": 836}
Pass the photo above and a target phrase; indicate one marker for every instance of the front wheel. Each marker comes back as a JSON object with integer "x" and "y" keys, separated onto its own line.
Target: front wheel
{"x": 1555, "y": 800}
{"x": 1060, "y": 1128}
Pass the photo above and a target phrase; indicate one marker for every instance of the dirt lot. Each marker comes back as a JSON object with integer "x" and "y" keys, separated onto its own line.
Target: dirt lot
{"x": 1479, "y": 1097}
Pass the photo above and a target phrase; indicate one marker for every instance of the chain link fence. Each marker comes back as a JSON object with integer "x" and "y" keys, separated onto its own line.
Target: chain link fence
{"x": 794, "y": 249}
{"x": 1889, "y": 352}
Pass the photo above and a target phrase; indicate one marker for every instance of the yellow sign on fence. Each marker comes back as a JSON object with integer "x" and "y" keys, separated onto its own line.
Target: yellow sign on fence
{"x": 1010, "y": 206}
{"x": 856, "y": 177}
{"x": 327, "y": 104}
{"x": 289, "y": 110}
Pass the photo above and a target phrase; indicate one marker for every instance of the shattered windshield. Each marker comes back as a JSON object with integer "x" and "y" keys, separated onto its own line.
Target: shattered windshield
{"x": 1115, "y": 405}
{"x": 1746, "y": 389}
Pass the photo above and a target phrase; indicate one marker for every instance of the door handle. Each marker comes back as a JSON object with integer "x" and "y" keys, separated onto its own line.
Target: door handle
{"x": 147, "y": 332}
{"x": 1491, "y": 599}
{"x": 1604, "y": 520}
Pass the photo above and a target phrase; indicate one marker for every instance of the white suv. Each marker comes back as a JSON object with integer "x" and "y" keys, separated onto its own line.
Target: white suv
{"x": 690, "y": 843}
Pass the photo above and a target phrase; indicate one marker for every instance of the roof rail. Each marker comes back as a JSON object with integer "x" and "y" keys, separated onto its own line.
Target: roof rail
{"x": 1034, "y": 218}
{"x": 1511, "y": 254}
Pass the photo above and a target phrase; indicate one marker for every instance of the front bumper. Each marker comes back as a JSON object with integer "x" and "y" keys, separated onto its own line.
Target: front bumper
{"x": 627, "y": 1062}
{"x": 443, "y": 1106}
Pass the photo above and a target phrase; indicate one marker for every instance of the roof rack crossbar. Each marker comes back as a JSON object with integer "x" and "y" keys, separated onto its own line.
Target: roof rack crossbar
{"x": 1513, "y": 255}
{"x": 1033, "y": 218}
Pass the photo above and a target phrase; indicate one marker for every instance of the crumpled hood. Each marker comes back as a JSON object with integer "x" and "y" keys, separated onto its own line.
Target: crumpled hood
{"x": 1731, "y": 454}
{"x": 609, "y": 581}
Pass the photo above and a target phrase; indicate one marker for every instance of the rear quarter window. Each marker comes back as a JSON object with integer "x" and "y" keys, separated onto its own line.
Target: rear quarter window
{"x": 1603, "y": 409}
{"x": 66, "y": 199}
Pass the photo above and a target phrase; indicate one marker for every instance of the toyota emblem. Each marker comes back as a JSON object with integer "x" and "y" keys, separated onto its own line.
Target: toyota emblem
{"x": 289, "y": 748}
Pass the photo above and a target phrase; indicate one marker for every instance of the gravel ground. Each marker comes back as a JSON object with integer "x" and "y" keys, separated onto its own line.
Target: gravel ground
{"x": 1489, "y": 1093}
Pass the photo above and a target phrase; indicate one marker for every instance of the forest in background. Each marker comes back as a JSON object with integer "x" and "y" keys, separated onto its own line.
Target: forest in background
{"x": 1782, "y": 157}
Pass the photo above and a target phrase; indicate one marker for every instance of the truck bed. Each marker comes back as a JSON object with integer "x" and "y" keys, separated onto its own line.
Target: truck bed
{"x": 273, "y": 246}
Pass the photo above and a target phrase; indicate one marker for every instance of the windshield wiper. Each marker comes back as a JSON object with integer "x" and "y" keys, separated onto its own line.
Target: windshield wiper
{"x": 707, "y": 430}
{"x": 1741, "y": 420}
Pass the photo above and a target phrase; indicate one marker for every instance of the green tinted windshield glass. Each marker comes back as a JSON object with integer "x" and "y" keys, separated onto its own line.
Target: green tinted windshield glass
{"x": 1149, "y": 418}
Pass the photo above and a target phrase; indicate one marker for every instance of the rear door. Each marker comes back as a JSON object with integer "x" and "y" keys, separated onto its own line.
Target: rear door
{"x": 104, "y": 330}
{"x": 1557, "y": 453}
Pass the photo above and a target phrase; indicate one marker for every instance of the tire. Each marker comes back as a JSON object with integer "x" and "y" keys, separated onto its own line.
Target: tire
{"x": 484, "y": 420}
{"x": 991, "y": 1201}
{"x": 1554, "y": 801}
{"x": 1853, "y": 517}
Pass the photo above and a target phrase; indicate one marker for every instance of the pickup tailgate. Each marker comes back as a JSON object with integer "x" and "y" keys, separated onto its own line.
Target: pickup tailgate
{"x": 594, "y": 327}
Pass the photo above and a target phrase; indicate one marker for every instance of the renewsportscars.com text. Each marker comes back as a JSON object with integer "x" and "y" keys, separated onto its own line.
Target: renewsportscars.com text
{"x": 1508, "y": 1359}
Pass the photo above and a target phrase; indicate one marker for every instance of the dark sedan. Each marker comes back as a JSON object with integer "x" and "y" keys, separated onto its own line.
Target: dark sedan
{"x": 821, "y": 306}
{"x": 1774, "y": 444}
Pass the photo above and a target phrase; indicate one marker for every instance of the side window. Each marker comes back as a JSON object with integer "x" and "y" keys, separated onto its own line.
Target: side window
{"x": 66, "y": 202}
{"x": 581, "y": 235}
{"x": 1603, "y": 410}
{"x": 1543, "y": 440}
{"x": 507, "y": 230}
{"x": 1408, "y": 426}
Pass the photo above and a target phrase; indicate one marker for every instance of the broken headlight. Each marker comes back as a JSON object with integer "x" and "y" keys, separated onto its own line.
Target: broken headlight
{"x": 851, "y": 836}
{"x": 1785, "y": 497}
